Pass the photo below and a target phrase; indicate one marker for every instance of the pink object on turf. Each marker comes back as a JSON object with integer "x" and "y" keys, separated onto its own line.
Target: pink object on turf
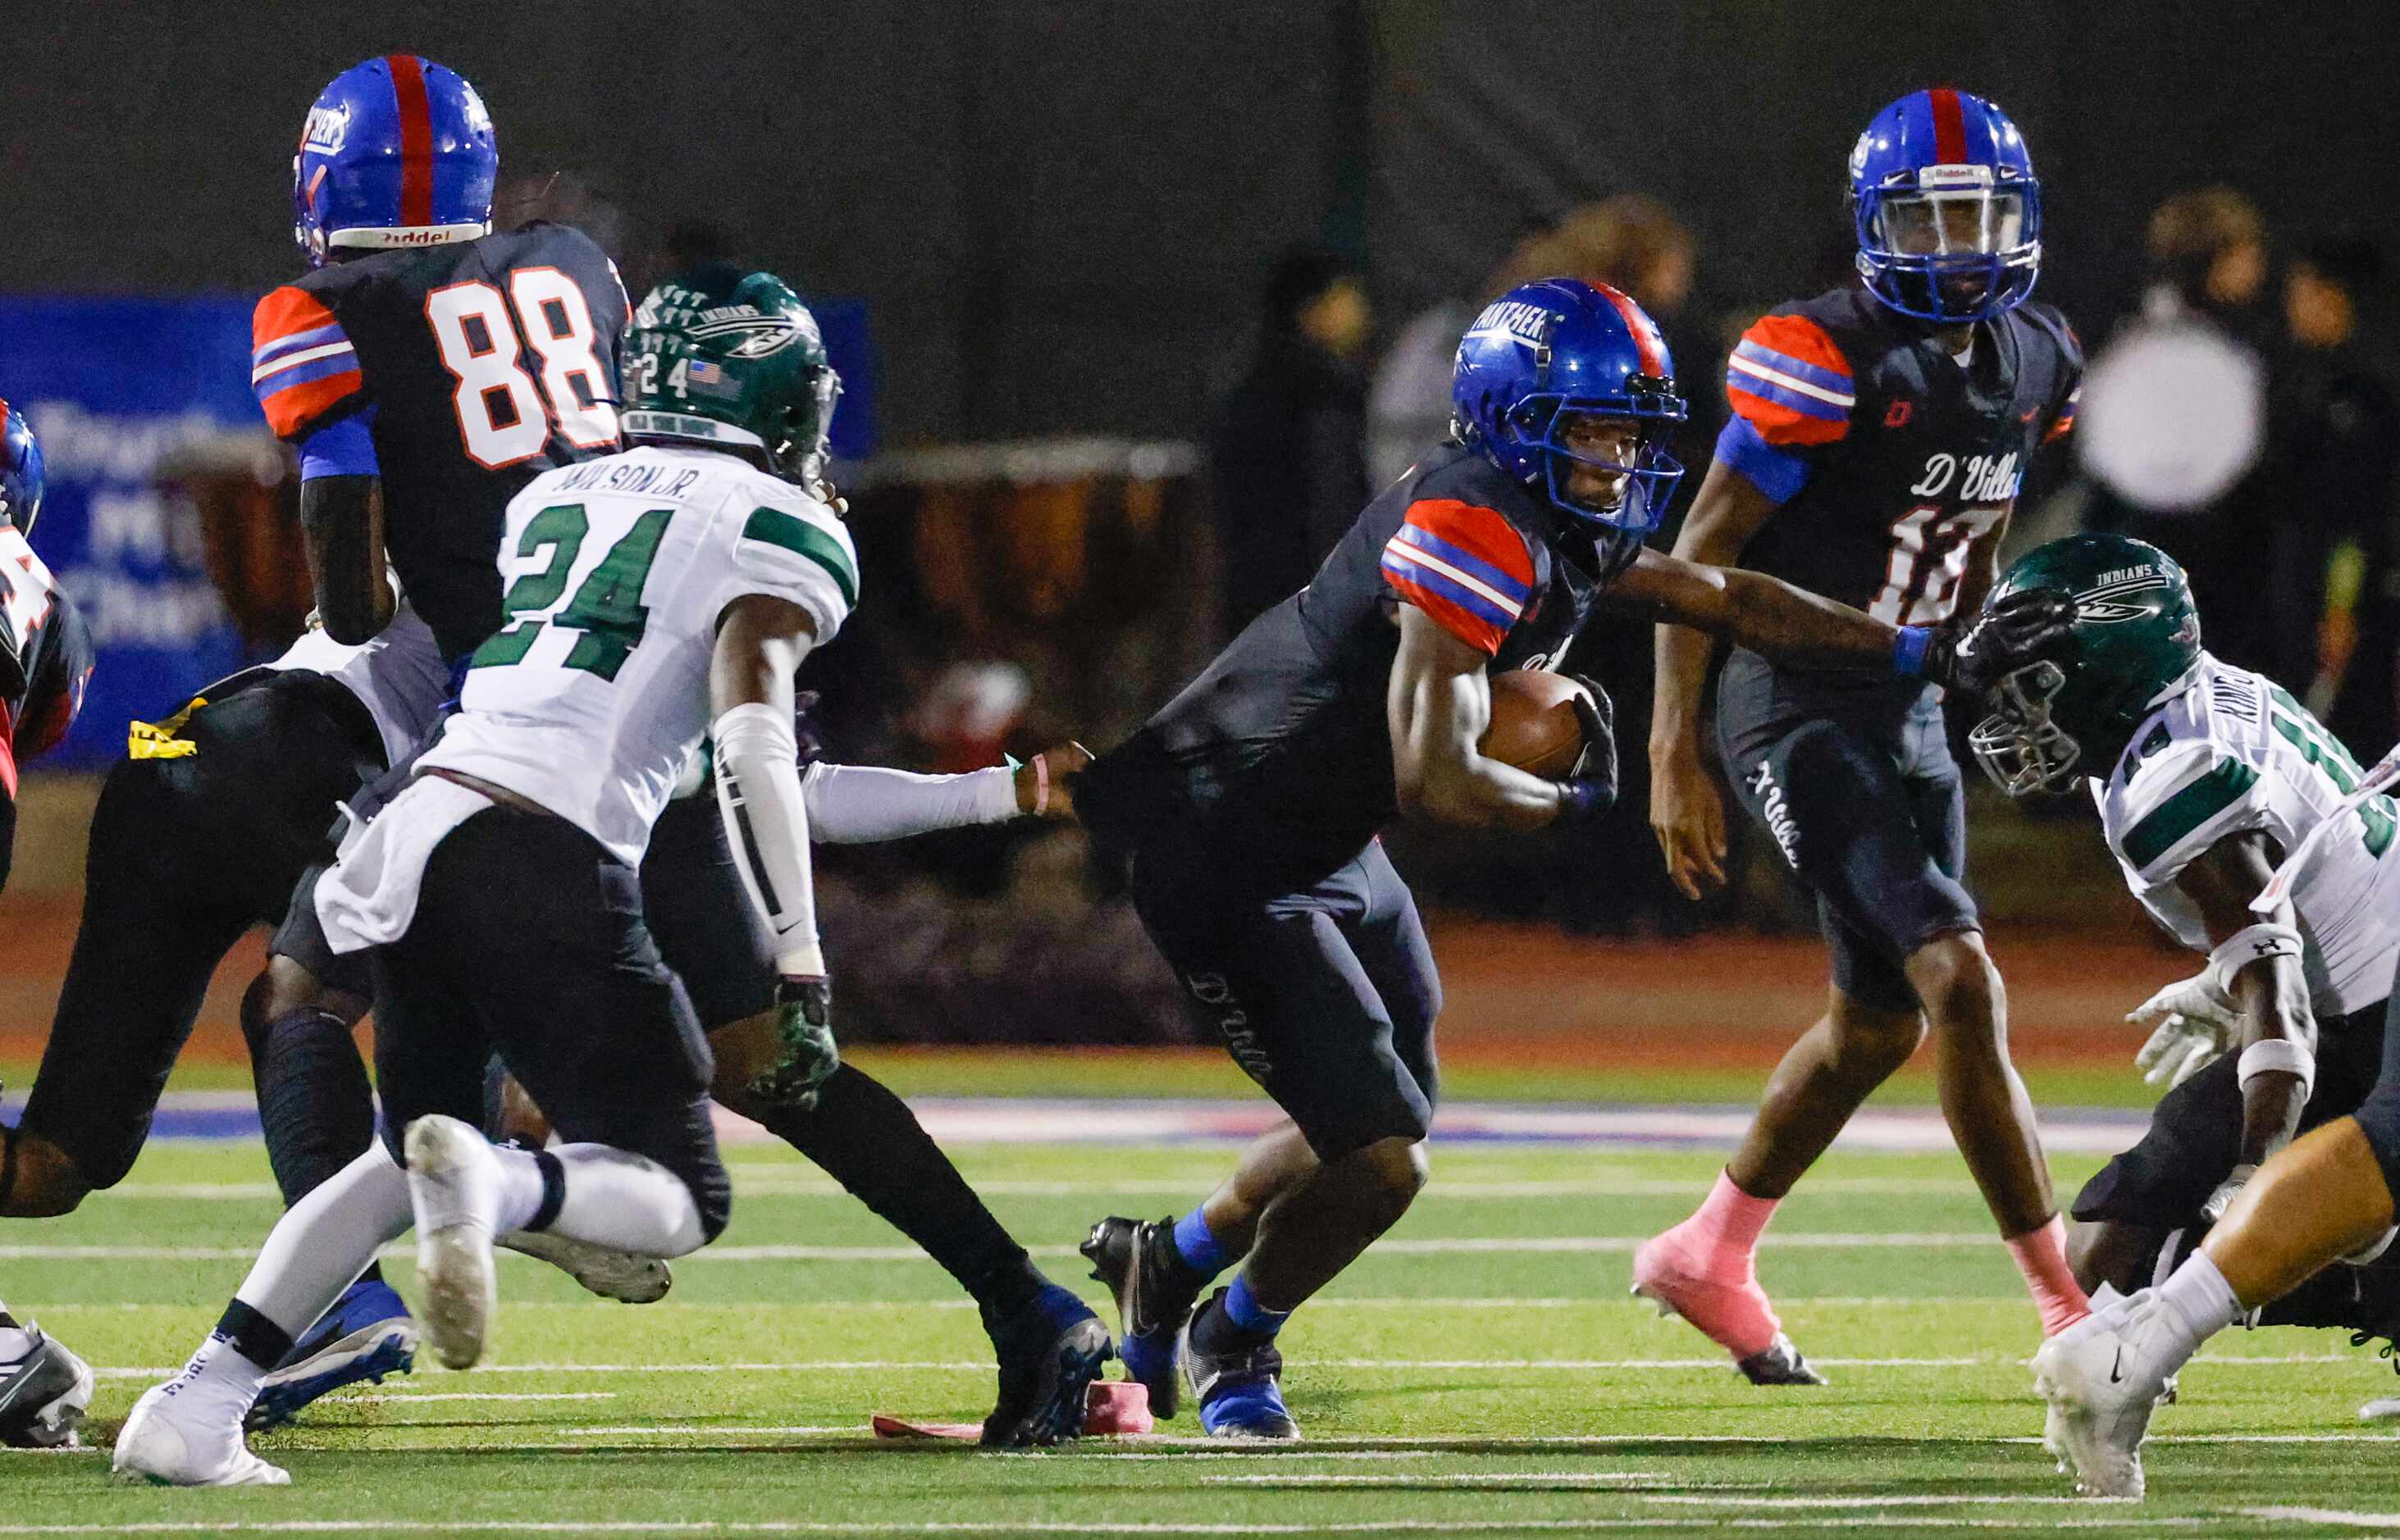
{"x": 1116, "y": 1406}
{"x": 2041, "y": 1257}
{"x": 1704, "y": 1270}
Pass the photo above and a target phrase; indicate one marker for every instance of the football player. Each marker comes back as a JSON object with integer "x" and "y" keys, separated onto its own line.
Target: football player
{"x": 427, "y": 376}
{"x": 46, "y": 658}
{"x": 2206, "y": 776}
{"x": 1249, "y": 806}
{"x": 1878, "y": 436}
{"x": 403, "y": 370}
{"x": 661, "y": 596}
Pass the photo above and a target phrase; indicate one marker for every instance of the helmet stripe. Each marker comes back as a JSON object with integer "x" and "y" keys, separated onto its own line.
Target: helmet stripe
{"x": 1645, "y": 337}
{"x": 416, "y": 137}
{"x": 1949, "y": 126}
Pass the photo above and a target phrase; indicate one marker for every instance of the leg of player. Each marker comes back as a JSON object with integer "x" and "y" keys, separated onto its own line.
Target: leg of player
{"x": 1157, "y": 1268}
{"x": 318, "y": 1115}
{"x": 1705, "y": 1269}
{"x": 1048, "y": 1345}
{"x": 188, "y": 1431}
{"x": 1985, "y": 1102}
{"x": 2327, "y": 1194}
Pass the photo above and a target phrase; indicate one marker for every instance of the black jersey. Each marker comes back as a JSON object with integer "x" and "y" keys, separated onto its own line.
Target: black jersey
{"x": 1887, "y": 456}
{"x": 47, "y": 658}
{"x": 1281, "y": 747}
{"x": 473, "y": 367}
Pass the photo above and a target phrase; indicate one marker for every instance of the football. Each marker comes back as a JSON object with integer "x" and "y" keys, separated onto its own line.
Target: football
{"x": 1534, "y": 723}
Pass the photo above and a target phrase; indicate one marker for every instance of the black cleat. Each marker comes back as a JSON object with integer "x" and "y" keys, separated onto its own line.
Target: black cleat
{"x": 1050, "y": 1352}
{"x": 1778, "y": 1364}
{"x": 1155, "y": 1292}
{"x": 44, "y": 1392}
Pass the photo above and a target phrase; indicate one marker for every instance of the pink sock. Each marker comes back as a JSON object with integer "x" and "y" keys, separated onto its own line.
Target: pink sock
{"x": 1726, "y": 1228}
{"x": 2041, "y": 1257}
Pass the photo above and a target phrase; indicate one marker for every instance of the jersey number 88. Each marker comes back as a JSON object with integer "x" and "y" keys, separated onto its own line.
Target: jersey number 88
{"x": 503, "y": 419}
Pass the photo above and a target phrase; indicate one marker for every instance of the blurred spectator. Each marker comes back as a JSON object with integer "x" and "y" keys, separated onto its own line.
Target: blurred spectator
{"x": 2334, "y": 452}
{"x": 2173, "y": 415}
{"x": 1284, "y": 455}
{"x": 1631, "y": 241}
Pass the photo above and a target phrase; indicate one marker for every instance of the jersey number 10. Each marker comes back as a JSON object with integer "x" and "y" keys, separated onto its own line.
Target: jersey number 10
{"x": 1929, "y": 558}
{"x": 483, "y": 336}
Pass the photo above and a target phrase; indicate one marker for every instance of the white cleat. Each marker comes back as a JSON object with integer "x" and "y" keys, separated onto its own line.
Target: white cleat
{"x": 165, "y": 1443}
{"x": 2103, "y": 1378}
{"x": 624, "y": 1276}
{"x": 44, "y": 1390}
{"x": 452, "y": 1175}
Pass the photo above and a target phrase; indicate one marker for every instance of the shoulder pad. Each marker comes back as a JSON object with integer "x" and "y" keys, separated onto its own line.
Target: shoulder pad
{"x": 302, "y": 365}
{"x": 1790, "y": 379}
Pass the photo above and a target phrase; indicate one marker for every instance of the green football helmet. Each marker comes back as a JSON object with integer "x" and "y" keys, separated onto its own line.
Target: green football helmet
{"x": 734, "y": 361}
{"x": 2136, "y": 641}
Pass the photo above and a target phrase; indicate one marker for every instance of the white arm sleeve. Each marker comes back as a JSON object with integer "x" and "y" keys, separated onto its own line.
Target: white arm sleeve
{"x": 767, "y": 823}
{"x": 859, "y": 804}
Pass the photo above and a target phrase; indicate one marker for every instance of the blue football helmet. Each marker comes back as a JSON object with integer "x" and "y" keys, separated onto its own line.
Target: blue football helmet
{"x": 397, "y": 152}
{"x": 1947, "y": 208}
{"x": 21, "y": 471}
{"x": 1557, "y": 360}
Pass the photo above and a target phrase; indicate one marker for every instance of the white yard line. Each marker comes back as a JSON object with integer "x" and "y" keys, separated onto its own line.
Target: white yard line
{"x": 986, "y": 1526}
{"x": 1477, "y": 1246}
{"x": 977, "y": 1366}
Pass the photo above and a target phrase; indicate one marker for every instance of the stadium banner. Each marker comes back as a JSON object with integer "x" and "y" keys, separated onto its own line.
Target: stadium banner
{"x": 114, "y": 386}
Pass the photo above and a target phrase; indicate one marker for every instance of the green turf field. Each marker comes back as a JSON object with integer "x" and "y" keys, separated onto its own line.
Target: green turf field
{"x": 1481, "y": 1373}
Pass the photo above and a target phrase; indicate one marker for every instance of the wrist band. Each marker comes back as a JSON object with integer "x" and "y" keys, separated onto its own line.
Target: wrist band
{"x": 2253, "y": 944}
{"x": 2279, "y": 1056}
{"x": 1908, "y": 651}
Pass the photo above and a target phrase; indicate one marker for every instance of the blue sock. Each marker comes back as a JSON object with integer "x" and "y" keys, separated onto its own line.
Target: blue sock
{"x": 1243, "y": 1309}
{"x": 1201, "y": 1251}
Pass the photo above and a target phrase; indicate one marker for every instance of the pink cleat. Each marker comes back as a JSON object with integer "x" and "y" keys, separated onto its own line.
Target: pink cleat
{"x": 1732, "y": 1311}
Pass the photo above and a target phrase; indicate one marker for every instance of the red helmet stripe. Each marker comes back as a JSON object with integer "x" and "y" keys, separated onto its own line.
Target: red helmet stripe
{"x": 1645, "y": 336}
{"x": 416, "y": 137}
{"x": 1949, "y": 126}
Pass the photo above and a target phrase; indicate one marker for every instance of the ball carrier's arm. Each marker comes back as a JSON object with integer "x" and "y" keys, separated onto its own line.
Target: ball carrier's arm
{"x": 341, "y": 523}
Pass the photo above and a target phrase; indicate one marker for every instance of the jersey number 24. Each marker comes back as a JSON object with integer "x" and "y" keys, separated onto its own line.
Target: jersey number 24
{"x": 485, "y": 335}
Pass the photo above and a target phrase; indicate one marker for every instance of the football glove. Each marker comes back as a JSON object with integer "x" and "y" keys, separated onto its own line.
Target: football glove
{"x": 804, "y": 1022}
{"x": 2226, "y": 1191}
{"x": 2021, "y": 629}
{"x": 2192, "y": 1021}
{"x": 1591, "y": 788}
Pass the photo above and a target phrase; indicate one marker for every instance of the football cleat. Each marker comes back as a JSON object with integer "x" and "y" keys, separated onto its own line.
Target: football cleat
{"x": 1240, "y": 1393}
{"x": 1155, "y": 1292}
{"x": 1735, "y": 1316}
{"x": 1781, "y": 1363}
{"x": 1050, "y": 1352}
{"x": 367, "y": 1335}
{"x": 619, "y": 1276}
{"x": 170, "y": 1443}
{"x": 446, "y": 1160}
{"x": 2103, "y": 1377}
{"x": 44, "y": 1392}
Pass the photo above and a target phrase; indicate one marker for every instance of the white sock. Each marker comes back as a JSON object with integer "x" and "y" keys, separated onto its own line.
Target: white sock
{"x": 517, "y": 1196}
{"x": 217, "y": 1382}
{"x": 624, "y": 1201}
{"x": 501, "y": 1193}
{"x": 2200, "y": 1303}
{"x": 326, "y": 1240}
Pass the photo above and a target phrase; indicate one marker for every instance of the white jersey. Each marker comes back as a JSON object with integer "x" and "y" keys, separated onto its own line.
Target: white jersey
{"x": 592, "y": 699}
{"x": 399, "y": 676}
{"x": 2234, "y": 753}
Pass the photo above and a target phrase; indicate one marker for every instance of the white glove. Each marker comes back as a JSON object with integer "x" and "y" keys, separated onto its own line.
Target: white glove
{"x": 2193, "y": 1023}
{"x": 2226, "y": 1191}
